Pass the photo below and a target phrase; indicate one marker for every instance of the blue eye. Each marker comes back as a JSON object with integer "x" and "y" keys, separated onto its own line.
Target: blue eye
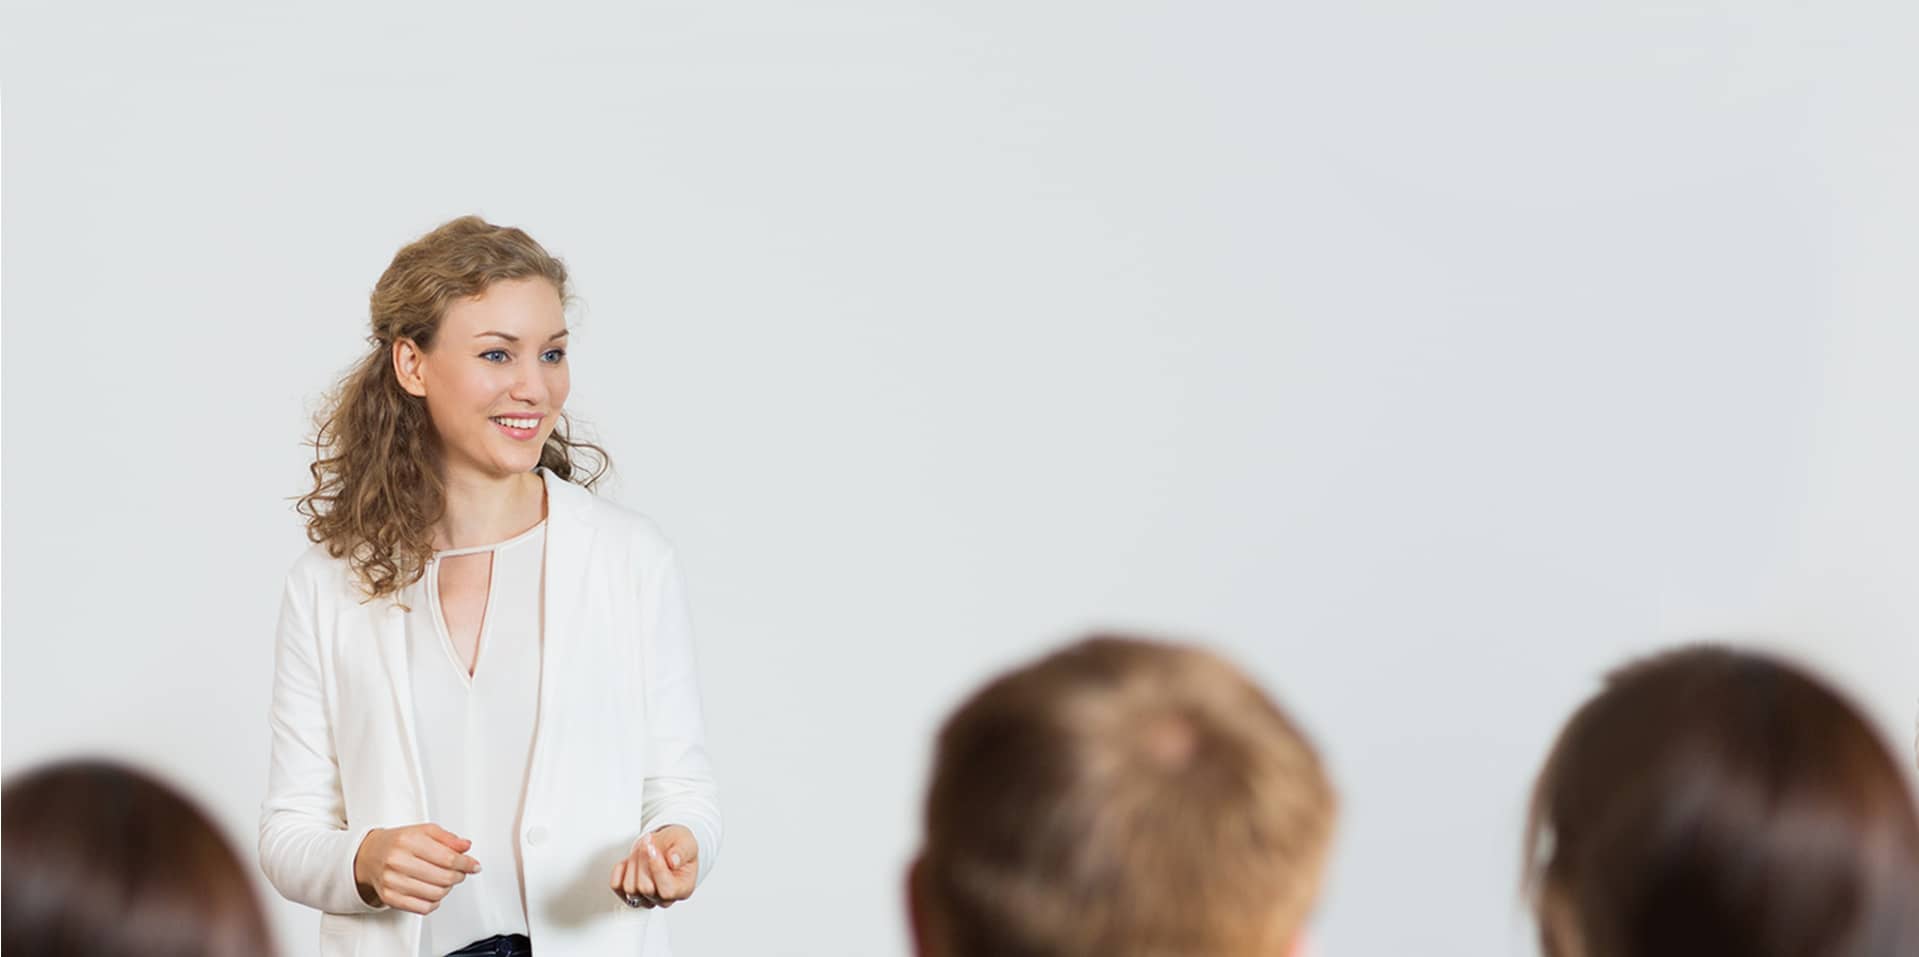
{"x": 553, "y": 355}
{"x": 494, "y": 355}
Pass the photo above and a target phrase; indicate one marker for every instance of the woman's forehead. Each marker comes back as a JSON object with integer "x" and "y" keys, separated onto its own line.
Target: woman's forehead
{"x": 521, "y": 308}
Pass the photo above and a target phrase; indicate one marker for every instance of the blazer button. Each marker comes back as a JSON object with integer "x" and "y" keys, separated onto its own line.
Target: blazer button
{"x": 535, "y": 836}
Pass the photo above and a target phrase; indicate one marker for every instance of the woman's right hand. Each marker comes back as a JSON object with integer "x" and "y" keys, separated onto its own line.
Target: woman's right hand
{"x": 411, "y": 868}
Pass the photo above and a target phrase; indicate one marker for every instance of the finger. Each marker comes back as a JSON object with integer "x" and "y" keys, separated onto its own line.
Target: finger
{"x": 669, "y": 887}
{"x": 621, "y": 872}
{"x": 678, "y": 845}
{"x": 403, "y": 886}
{"x": 412, "y": 905}
{"x": 443, "y": 856}
{"x": 626, "y": 897}
{"x": 448, "y": 838}
{"x": 427, "y": 871}
{"x": 637, "y": 900}
{"x": 638, "y": 881}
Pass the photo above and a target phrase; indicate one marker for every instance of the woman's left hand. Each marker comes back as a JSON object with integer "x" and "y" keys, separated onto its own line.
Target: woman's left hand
{"x": 660, "y": 869}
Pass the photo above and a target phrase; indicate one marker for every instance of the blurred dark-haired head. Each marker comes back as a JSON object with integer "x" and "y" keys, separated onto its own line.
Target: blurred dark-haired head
{"x": 1715, "y": 802}
{"x": 103, "y": 861}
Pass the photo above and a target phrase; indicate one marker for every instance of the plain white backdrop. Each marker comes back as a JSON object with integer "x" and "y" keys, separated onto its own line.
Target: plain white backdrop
{"x": 1425, "y": 358}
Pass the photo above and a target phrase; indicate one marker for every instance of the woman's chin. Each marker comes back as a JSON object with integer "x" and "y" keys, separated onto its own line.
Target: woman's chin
{"x": 521, "y": 467}
{"x": 517, "y": 456}
{"x": 506, "y": 466}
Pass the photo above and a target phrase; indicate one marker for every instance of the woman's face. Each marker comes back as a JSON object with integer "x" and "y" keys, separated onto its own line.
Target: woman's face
{"x": 495, "y": 378}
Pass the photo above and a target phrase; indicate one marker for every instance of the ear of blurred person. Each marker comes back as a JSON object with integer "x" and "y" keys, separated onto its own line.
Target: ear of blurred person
{"x": 104, "y": 861}
{"x": 1120, "y": 797}
{"x": 1710, "y": 801}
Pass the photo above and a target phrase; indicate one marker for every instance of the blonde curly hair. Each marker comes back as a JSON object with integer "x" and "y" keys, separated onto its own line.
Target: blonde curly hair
{"x": 377, "y": 489}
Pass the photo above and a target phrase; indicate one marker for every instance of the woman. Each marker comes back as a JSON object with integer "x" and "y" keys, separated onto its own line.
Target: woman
{"x": 1714, "y": 802}
{"x": 103, "y": 861}
{"x": 486, "y": 722}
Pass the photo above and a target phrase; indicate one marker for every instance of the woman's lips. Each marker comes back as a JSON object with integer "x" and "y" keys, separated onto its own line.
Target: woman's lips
{"x": 519, "y": 430}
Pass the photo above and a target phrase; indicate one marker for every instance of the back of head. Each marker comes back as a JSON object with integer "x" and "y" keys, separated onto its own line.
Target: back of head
{"x": 1714, "y": 802}
{"x": 1121, "y": 797}
{"x": 105, "y": 862}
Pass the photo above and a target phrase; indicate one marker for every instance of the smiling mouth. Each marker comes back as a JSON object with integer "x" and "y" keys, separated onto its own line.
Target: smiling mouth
{"x": 519, "y": 423}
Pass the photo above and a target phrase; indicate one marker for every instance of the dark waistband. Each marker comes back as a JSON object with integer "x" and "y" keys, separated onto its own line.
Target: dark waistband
{"x": 499, "y": 945}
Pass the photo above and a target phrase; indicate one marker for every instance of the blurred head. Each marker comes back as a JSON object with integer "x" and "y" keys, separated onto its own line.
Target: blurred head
{"x": 466, "y": 373}
{"x": 102, "y": 861}
{"x": 1120, "y": 797}
{"x": 1714, "y": 802}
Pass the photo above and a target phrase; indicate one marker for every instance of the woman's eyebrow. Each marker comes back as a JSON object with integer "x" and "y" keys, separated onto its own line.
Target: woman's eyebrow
{"x": 513, "y": 338}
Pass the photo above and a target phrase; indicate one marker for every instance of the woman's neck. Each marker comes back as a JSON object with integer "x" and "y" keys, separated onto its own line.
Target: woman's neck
{"x": 481, "y": 510}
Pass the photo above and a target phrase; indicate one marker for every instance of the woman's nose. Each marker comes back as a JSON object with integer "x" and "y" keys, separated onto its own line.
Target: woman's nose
{"x": 530, "y": 386}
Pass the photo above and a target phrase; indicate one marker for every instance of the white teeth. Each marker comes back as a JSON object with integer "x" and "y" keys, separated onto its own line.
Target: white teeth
{"x": 516, "y": 423}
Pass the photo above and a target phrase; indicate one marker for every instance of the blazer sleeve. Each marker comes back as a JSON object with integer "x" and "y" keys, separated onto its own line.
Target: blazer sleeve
{"x": 306, "y": 848}
{"x": 679, "y": 787}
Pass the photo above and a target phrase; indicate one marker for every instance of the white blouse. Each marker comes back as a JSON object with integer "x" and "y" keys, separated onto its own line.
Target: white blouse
{"x": 476, "y": 734}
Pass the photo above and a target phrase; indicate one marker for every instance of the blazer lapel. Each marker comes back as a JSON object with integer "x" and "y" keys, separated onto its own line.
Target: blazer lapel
{"x": 569, "y": 537}
{"x": 392, "y": 627}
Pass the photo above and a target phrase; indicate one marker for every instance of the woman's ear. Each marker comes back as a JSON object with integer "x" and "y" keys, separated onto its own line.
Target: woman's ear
{"x": 407, "y": 359}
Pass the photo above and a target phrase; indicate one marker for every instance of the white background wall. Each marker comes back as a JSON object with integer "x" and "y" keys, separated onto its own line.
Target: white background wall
{"x": 1427, "y": 358}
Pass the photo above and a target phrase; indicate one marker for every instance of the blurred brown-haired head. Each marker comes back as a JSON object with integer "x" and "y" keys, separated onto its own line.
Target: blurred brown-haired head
{"x": 1121, "y": 798}
{"x": 103, "y": 861}
{"x": 1715, "y": 802}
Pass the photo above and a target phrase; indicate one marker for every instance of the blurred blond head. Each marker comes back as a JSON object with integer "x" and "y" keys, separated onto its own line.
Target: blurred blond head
{"x": 1126, "y": 798}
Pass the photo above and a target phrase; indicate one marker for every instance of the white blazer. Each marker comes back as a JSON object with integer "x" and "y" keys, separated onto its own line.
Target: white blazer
{"x": 620, "y": 748}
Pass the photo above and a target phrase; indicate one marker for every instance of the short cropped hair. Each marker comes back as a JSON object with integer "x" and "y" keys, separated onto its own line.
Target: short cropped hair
{"x": 1710, "y": 801}
{"x": 1122, "y": 797}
